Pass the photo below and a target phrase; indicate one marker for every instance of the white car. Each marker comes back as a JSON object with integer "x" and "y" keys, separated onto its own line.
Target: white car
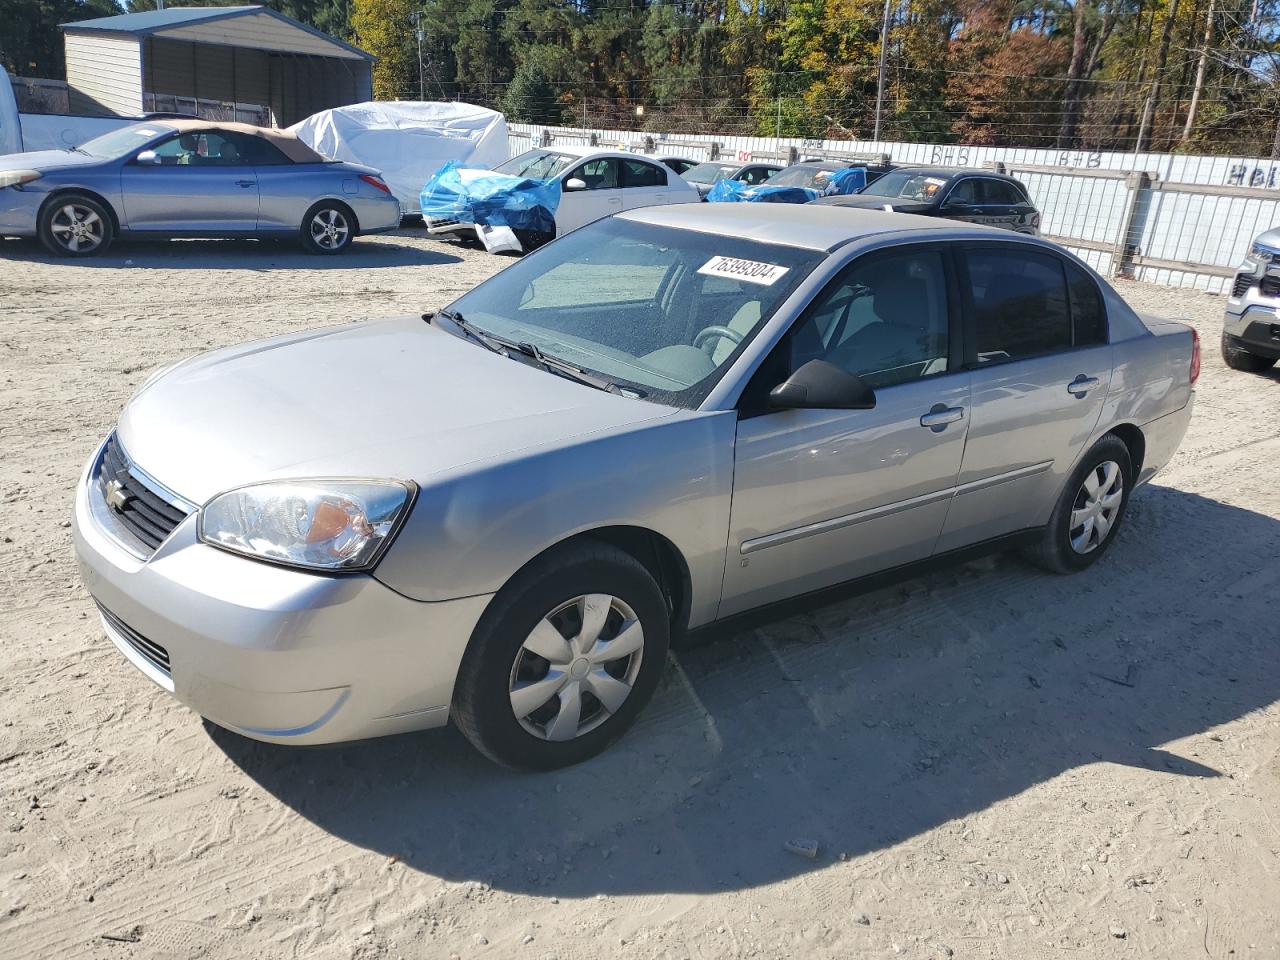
{"x": 594, "y": 183}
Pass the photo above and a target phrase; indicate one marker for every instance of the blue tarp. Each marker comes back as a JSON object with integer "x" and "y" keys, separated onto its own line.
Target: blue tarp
{"x": 472, "y": 195}
{"x": 838, "y": 183}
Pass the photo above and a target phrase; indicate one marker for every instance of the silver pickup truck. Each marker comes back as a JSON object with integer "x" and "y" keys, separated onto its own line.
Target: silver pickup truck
{"x": 502, "y": 513}
{"x": 1251, "y": 325}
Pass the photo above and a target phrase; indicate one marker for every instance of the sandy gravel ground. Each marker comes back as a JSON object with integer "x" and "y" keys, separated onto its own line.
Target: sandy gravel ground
{"x": 993, "y": 762}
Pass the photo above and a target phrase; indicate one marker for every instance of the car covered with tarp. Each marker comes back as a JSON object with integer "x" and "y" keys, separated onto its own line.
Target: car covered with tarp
{"x": 544, "y": 193}
{"x": 798, "y": 183}
{"x": 407, "y": 140}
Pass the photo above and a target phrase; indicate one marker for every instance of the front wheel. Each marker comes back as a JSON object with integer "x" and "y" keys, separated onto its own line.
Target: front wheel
{"x": 327, "y": 228}
{"x": 74, "y": 225}
{"x": 1238, "y": 358}
{"x": 1089, "y": 511}
{"x": 564, "y": 659}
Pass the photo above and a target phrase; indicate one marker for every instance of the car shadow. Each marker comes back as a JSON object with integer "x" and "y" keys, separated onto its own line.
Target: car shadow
{"x": 365, "y": 253}
{"x": 853, "y": 725}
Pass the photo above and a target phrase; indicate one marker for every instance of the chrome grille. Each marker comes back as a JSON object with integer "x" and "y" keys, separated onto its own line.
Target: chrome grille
{"x": 150, "y": 651}
{"x": 144, "y": 512}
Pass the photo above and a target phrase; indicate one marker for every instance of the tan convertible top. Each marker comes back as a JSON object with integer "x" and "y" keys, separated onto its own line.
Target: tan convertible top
{"x": 286, "y": 142}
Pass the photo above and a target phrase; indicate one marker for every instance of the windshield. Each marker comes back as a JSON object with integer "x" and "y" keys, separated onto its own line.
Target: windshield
{"x": 659, "y": 311}
{"x": 536, "y": 164}
{"x": 903, "y": 185}
{"x": 801, "y": 176}
{"x": 709, "y": 172}
{"x": 117, "y": 143}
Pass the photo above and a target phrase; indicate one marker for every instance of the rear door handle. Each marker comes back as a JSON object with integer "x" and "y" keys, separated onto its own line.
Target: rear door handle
{"x": 245, "y": 183}
{"x": 1082, "y": 385}
{"x": 941, "y": 415}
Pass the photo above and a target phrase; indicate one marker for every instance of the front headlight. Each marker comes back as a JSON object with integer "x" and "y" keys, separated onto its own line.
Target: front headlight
{"x": 317, "y": 524}
{"x": 16, "y": 178}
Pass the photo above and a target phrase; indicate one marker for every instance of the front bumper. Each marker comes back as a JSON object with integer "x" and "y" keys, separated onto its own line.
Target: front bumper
{"x": 272, "y": 653}
{"x": 449, "y": 228}
{"x": 20, "y": 211}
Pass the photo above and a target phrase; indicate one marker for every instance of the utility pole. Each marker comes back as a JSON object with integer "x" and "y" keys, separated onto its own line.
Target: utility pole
{"x": 417, "y": 28}
{"x": 884, "y": 49}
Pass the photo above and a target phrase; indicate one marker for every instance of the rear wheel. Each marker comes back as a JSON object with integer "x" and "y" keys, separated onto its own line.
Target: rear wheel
{"x": 564, "y": 659}
{"x": 74, "y": 225}
{"x": 1089, "y": 511}
{"x": 328, "y": 228}
{"x": 1237, "y": 358}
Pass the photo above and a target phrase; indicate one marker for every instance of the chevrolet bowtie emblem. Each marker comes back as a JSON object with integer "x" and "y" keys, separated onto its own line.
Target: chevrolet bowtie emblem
{"x": 115, "y": 496}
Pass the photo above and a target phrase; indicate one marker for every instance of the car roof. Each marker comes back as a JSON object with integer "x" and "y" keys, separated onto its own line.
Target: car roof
{"x": 575, "y": 150}
{"x": 799, "y": 225}
{"x": 954, "y": 172}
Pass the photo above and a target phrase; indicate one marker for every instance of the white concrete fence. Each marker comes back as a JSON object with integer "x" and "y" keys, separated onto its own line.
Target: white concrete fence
{"x": 1165, "y": 218}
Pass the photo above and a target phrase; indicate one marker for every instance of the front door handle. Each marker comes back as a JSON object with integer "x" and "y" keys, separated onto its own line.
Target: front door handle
{"x": 1081, "y": 385}
{"x": 245, "y": 183}
{"x": 941, "y": 415}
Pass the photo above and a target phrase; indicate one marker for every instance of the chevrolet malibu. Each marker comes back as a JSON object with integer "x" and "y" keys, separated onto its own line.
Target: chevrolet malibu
{"x": 500, "y": 514}
{"x": 190, "y": 178}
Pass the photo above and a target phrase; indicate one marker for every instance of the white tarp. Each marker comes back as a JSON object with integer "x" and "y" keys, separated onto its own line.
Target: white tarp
{"x": 407, "y": 140}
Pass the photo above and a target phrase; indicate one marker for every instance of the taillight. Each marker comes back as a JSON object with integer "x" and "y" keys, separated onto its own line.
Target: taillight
{"x": 1195, "y": 356}
{"x": 375, "y": 182}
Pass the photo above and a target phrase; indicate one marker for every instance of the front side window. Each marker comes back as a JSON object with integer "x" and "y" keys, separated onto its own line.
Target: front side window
{"x": 637, "y": 173}
{"x": 207, "y": 148}
{"x": 964, "y": 193}
{"x": 536, "y": 164}
{"x": 754, "y": 175}
{"x": 1019, "y": 304}
{"x": 601, "y": 174}
{"x": 884, "y": 318}
{"x": 659, "y": 311}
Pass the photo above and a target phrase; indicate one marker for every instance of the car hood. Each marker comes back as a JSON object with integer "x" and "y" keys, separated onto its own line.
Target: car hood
{"x": 879, "y": 203}
{"x": 44, "y": 160}
{"x": 394, "y": 399}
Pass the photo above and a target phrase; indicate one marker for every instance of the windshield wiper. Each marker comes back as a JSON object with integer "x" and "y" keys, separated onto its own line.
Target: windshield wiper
{"x": 485, "y": 340}
{"x": 553, "y": 364}
{"x": 566, "y": 369}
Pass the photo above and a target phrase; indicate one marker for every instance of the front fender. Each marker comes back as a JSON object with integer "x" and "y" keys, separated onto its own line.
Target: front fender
{"x": 468, "y": 534}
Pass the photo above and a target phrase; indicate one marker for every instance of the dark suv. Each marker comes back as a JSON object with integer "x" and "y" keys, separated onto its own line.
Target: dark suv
{"x": 976, "y": 196}
{"x": 1251, "y": 326}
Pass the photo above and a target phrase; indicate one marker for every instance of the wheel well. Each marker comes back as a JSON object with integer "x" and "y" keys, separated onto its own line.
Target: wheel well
{"x": 92, "y": 195}
{"x": 337, "y": 203}
{"x": 1132, "y": 438}
{"x": 660, "y": 557}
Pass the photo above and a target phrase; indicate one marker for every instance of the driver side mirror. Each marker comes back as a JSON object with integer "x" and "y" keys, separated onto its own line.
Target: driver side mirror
{"x": 575, "y": 183}
{"x": 147, "y": 158}
{"x": 819, "y": 385}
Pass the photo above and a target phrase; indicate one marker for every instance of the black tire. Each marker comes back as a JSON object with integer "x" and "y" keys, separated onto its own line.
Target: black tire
{"x": 75, "y": 225}
{"x": 1054, "y": 551}
{"x": 482, "y": 707}
{"x": 1237, "y": 358}
{"x": 328, "y": 228}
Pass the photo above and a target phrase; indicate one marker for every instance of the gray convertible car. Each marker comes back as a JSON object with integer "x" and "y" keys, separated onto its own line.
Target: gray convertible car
{"x": 190, "y": 178}
{"x": 659, "y": 421}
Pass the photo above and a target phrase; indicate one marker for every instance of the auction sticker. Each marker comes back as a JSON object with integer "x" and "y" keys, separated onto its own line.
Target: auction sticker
{"x": 751, "y": 271}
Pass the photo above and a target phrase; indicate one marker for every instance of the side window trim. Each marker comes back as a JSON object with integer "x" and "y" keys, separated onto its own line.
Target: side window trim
{"x": 749, "y": 404}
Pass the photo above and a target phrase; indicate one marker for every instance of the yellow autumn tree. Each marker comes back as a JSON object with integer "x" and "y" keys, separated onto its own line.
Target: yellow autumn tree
{"x": 385, "y": 28}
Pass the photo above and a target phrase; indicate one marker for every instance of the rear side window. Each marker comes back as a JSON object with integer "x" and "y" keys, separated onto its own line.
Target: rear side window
{"x": 637, "y": 173}
{"x": 1020, "y": 305}
{"x": 1088, "y": 315}
{"x": 998, "y": 191}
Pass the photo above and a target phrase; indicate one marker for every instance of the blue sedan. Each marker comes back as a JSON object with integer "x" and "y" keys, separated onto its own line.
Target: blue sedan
{"x": 190, "y": 178}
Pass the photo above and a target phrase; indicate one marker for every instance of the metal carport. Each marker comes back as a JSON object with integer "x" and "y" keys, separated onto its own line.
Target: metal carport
{"x": 221, "y": 63}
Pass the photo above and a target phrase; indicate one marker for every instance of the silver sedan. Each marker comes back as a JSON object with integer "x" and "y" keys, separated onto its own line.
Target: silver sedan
{"x": 190, "y": 178}
{"x": 502, "y": 514}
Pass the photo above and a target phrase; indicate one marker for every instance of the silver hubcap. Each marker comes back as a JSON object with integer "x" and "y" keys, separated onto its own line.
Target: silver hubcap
{"x": 76, "y": 228}
{"x": 577, "y": 667}
{"x": 329, "y": 229}
{"x": 1097, "y": 503}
